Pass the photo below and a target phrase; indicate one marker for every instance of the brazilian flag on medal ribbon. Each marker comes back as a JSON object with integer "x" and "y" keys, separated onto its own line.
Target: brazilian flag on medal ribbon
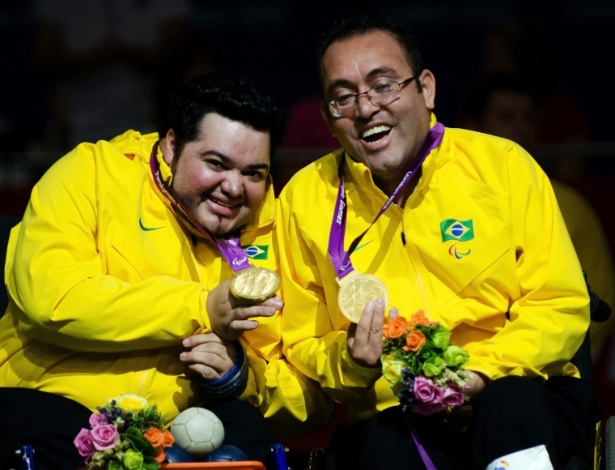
{"x": 257, "y": 251}
{"x": 458, "y": 230}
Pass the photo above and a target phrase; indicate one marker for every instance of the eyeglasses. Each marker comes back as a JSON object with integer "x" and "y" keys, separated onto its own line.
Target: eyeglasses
{"x": 382, "y": 93}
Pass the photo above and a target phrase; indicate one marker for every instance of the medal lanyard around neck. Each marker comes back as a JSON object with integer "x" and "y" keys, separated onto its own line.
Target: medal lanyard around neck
{"x": 340, "y": 258}
{"x": 234, "y": 255}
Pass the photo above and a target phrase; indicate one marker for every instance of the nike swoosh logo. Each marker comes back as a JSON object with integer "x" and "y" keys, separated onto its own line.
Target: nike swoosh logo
{"x": 361, "y": 246}
{"x": 148, "y": 229}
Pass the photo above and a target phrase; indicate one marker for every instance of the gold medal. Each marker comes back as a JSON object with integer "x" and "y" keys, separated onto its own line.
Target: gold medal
{"x": 356, "y": 290}
{"x": 255, "y": 283}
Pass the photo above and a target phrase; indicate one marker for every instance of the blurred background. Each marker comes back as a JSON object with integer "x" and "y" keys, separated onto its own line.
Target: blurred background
{"x": 56, "y": 52}
{"x": 83, "y": 70}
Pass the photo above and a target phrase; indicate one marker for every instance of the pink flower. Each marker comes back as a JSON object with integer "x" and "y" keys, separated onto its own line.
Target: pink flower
{"x": 427, "y": 409}
{"x": 453, "y": 395}
{"x": 84, "y": 444}
{"x": 97, "y": 418}
{"x": 425, "y": 391}
{"x": 104, "y": 436}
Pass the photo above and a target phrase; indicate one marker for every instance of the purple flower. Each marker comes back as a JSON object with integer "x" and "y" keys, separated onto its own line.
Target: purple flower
{"x": 84, "y": 444}
{"x": 426, "y": 392}
{"x": 104, "y": 436}
{"x": 96, "y": 419}
{"x": 453, "y": 395}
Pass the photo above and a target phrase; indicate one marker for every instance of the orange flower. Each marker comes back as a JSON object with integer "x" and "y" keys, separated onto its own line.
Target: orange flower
{"x": 414, "y": 341}
{"x": 159, "y": 439}
{"x": 161, "y": 454}
{"x": 169, "y": 440}
{"x": 155, "y": 437}
{"x": 395, "y": 327}
{"x": 419, "y": 318}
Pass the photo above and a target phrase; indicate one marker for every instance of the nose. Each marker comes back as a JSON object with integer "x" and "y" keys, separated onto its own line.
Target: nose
{"x": 232, "y": 184}
{"x": 365, "y": 107}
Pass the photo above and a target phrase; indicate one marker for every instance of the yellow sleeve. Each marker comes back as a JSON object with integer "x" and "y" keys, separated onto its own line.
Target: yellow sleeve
{"x": 549, "y": 315}
{"x": 60, "y": 291}
{"x": 310, "y": 342}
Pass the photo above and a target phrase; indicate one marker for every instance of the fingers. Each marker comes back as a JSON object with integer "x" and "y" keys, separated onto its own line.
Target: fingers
{"x": 228, "y": 317}
{"x": 371, "y": 321}
{"x": 206, "y": 373}
{"x": 246, "y": 312}
{"x": 393, "y": 312}
{"x": 210, "y": 359}
{"x": 365, "y": 339}
{"x": 203, "y": 338}
{"x": 207, "y": 365}
{"x": 476, "y": 384}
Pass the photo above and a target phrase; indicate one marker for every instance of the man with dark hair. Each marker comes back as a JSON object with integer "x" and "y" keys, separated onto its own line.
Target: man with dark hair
{"x": 119, "y": 279}
{"x": 459, "y": 225}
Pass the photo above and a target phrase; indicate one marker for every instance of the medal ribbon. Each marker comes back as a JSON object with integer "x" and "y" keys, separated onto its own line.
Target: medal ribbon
{"x": 340, "y": 258}
{"x": 231, "y": 250}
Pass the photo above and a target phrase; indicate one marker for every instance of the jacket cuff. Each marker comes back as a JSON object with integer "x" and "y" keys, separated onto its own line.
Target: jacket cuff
{"x": 233, "y": 383}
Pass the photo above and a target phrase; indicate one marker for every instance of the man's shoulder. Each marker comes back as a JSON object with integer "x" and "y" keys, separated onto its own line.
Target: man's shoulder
{"x": 484, "y": 149}
{"x": 320, "y": 171}
{"x": 134, "y": 143}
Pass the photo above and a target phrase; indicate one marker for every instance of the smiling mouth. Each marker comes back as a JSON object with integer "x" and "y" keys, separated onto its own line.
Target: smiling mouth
{"x": 376, "y": 133}
{"x": 225, "y": 204}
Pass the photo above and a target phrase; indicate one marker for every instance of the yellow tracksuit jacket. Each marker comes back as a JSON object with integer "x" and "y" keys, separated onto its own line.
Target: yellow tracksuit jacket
{"x": 508, "y": 284}
{"x": 105, "y": 282}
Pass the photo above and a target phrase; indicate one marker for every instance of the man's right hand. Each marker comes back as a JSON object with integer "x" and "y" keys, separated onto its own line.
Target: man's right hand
{"x": 230, "y": 317}
{"x": 364, "y": 340}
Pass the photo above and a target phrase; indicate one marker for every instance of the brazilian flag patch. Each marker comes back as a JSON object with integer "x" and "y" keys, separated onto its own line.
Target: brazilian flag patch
{"x": 458, "y": 230}
{"x": 257, "y": 251}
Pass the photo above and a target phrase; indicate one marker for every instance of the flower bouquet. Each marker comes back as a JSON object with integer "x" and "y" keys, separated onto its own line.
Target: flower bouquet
{"x": 424, "y": 369}
{"x": 126, "y": 434}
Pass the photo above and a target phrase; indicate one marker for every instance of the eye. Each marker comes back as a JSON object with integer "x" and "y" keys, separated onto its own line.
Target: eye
{"x": 215, "y": 164}
{"x": 345, "y": 100}
{"x": 255, "y": 175}
{"x": 383, "y": 86}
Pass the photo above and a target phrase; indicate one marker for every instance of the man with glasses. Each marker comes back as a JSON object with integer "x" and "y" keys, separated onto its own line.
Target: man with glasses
{"x": 461, "y": 225}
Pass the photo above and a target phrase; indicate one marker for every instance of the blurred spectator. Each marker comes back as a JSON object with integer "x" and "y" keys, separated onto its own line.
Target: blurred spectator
{"x": 306, "y": 127}
{"x": 307, "y": 138}
{"x": 107, "y": 57}
{"x": 524, "y": 48}
{"x": 507, "y": 105}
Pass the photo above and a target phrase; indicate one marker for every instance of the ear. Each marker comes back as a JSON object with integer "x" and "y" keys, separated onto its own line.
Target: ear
{"x": 167, "y": 146}
{"x": 428, "y": 83}
{"x": 324, "y": 111}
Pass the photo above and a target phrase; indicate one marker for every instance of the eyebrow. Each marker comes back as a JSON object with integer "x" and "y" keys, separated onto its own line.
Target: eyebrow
{"x": 372, "y": 74}
{"x": 225, "y": 159}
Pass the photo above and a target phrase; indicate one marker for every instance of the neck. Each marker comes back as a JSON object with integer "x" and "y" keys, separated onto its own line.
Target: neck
{"x": 388, "y": 186}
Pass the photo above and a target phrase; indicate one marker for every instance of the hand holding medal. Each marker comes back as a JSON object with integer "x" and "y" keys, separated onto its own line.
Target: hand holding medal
{"x": 254, "y": 283}
{"x": 356, "y": 290}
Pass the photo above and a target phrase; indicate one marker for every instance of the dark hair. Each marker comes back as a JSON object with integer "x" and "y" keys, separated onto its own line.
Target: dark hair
{"x": 229, "y": 95}
{"x": 475, "y": 100}
{"x": 361, "y": 21}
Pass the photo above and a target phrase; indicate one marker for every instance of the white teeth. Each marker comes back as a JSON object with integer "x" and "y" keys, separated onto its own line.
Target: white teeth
{"x": 375, "y": 130}
{"x": 220, "y": 203}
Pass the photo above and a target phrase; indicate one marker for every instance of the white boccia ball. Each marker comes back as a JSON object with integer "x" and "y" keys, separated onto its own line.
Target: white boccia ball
{"x": 197, "y": 431}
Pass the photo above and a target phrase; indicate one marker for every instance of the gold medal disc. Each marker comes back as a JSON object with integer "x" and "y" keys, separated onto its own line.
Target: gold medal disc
{"x": 255, "y": 283}
{"x": 356, "y": 290}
